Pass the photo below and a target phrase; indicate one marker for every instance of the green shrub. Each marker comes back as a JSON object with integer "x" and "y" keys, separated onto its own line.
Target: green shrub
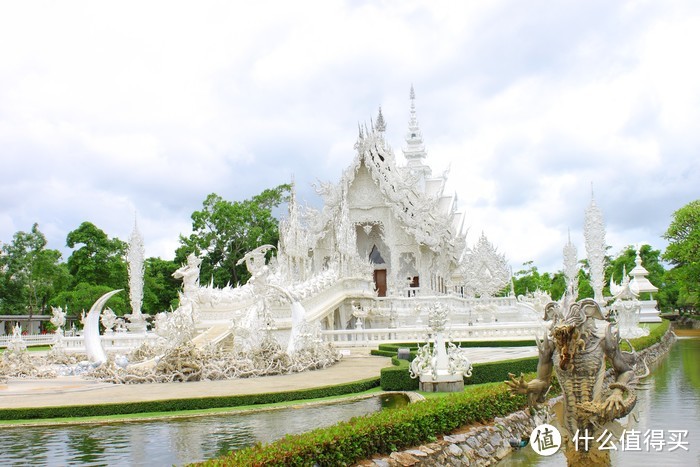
{"x": 397, "y": 377}
{"x": 34, "y": 413}
{"x": 655, "y": 335}
{"x": 381, "y": 432}
{"x": 498, "y": 371}
{"x": 391, "y": 350}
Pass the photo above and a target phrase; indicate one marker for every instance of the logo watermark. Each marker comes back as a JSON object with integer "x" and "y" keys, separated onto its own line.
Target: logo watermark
{"x": 635, "y": 440}
{"x": 545, "y": 440}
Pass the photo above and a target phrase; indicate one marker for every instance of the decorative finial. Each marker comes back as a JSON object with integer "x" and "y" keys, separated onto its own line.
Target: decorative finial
{"x": 381, "y": 124}
{"x": 413, "y": 93}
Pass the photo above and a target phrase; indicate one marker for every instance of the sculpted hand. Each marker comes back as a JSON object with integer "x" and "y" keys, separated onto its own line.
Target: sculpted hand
{"x": 613, "y": 405}
{"x": 517, "y": 386}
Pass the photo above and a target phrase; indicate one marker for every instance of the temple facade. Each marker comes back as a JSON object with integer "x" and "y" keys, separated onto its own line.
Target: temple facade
{"x": 395, "y": 220}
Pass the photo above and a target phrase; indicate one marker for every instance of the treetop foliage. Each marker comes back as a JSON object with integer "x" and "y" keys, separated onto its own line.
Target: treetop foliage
{"x": 224, "y": 231}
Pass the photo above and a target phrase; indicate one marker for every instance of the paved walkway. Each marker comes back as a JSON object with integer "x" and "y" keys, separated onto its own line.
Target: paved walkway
{"x": 73, "y": 390}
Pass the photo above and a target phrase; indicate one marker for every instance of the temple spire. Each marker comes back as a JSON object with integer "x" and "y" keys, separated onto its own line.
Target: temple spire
{"x": 594, "y": 235}
{"x": 381, "y": 124}
{"x": 414, "y": 151}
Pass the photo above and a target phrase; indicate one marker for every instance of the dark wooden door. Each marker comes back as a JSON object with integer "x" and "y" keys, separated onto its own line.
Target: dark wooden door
{"x": 380, "y": 282}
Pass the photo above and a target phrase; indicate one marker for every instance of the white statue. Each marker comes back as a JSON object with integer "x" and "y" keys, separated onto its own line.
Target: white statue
{"x": 443, "y": 367}
{"x": 189, "y": 273}
{"x": 108, "y": 319}
{"x": 58, "y": 319}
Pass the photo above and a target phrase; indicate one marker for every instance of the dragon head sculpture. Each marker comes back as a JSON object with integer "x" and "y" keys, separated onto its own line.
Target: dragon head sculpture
{"x": 571, "y": 329}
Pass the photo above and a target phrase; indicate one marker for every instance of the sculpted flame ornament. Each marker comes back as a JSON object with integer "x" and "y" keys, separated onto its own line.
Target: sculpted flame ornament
{"x": 576, "y": 352}
{"x": 486, "y": 270}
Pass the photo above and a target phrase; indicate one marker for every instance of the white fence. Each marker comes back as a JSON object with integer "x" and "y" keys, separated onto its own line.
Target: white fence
{"x": 367, "y": 337}
{"x": 116, "y": 341}
{"x": 30, "y": 339}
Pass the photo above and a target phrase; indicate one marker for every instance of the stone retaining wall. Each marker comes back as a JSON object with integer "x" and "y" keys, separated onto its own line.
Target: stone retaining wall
{"x": 486, "y": 444}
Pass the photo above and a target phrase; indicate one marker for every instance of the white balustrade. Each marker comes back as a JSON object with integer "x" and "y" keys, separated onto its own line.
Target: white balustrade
{"x": 365, "y": 337}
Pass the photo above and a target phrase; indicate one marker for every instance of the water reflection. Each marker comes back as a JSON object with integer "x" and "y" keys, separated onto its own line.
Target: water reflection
{"x": 668, "y": 400}
{"x": 168, "y": 442}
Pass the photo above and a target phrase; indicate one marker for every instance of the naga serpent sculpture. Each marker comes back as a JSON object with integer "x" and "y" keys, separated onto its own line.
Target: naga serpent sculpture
{"x": 574, "y": 349}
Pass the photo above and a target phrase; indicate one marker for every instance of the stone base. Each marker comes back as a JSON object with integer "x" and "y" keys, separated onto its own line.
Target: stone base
{"x": 649, "y": 313}
{"x": 450, "y": 383}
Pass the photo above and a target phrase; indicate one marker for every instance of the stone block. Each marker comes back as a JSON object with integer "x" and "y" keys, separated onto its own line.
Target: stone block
{"x": 404, "y": 459}
{"x": 454, "y": 450}
{"x": 417, "y": 452}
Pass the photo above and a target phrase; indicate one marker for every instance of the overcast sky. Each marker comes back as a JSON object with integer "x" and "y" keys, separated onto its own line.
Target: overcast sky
{"x": 112, "y": 108}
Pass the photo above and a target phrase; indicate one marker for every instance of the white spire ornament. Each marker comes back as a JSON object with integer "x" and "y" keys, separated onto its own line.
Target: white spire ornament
{"x": 594, "y": 234}
{"x": 571, "y": 268}
{"x": 135, "y": 264}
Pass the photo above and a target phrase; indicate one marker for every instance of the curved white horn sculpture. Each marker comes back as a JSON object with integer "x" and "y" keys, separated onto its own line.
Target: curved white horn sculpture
{"x": 93, "y": 345}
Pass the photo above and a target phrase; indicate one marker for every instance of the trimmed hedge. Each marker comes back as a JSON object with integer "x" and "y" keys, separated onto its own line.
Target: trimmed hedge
{"x": 380, "y": 433}
{"x": 33, "y": 413}
{"x": 655, "y": 335}
{"x": 391, "y": 350}
{"x": 397, "y": 377}
{"x": 492, "y": 372}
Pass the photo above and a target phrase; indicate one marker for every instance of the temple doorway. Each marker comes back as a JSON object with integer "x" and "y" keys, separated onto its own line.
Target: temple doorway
{"x": 380, "y": 282}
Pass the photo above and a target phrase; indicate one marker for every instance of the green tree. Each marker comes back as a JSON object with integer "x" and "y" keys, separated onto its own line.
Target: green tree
{"x": 81, "y": 298}
{"x": 683, "y": 252}
{"x": 31, "y": 274}
{"x": 651, "y": 261}
{"x": 223, "y": 231}
{"x": 160, "y": 287}
{"x": 97, "y": 265}
{"x": 99, "y": 260}
{"x": 530, "y": 280}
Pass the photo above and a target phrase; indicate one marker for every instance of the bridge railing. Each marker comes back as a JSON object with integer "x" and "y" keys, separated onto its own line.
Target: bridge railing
{"x": 364, "y": 337}
{"x": 30, "y": 339}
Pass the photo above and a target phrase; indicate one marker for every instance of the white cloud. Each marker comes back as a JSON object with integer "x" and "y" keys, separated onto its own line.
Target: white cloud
{"x": 111, "y": 108}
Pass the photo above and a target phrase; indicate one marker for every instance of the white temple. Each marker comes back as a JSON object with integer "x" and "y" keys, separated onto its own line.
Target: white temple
{"x": 388, "y": 243}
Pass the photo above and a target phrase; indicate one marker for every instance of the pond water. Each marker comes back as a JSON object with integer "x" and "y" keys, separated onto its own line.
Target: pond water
{"x": 173, "y": 441}
{"x": 668, "y": 400}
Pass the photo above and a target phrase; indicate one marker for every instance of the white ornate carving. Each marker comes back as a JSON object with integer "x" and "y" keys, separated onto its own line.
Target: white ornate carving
{"x": 571, "y": 266}
{"x": 189, "y": 273}
{"x": 58, "y": 318}
{"x": 625, "y": 309}
{"x": 594, "y": 234}
{"x": 135, "y": 264}
{"x": 486, "y": 271}
{"x": 443, "y": 361}
{"x": 108, "y": 319}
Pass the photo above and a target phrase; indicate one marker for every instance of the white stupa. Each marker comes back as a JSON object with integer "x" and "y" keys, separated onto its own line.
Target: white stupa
{"x": 641, "y": 286}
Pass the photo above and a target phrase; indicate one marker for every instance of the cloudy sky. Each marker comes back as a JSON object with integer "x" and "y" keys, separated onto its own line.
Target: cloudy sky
{"x": 112, "y": 108}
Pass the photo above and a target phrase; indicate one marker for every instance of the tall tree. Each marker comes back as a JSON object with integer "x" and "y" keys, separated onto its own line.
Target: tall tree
{"x": 30, "y": 273}
{"x": 99, "y": 260}
{"x": 683, "y": 252}
{"x": 530, "y": 280}
{"x": 223, "y": 231}
{"x": 81, "y": 297}
{"x": 651, "y": 260}
{"x": 160, "y": 287}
